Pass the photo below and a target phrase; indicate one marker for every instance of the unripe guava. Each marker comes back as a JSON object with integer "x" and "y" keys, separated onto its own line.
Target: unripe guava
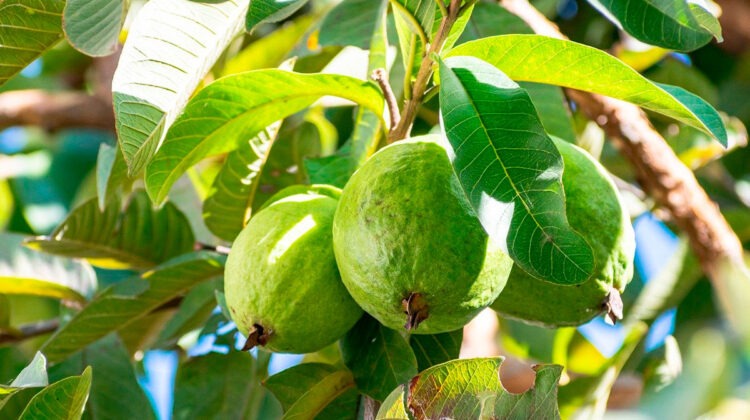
{"x": 594, "y": 210}
{"x": 281, "y": 281}
{"x": 410, "y": 248}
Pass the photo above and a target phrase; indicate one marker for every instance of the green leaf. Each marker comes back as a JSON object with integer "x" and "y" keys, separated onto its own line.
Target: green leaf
{"x": 93, "y": 26}
{"x": 471, "y": 389}
{"x": 193, "y": 313}
{"x": 232, "y": 198}
{"x": 115, "y": 392}
{"x": 310, "y": 390}
{"x": 170, "y": 47}
{"x": 33, "y": 375}
{"x": 27, "y": 272}
{"x": 125, "y": 302}
{"x": 490, "y": 19}
{"x": 510, "y": 170}
{"x": 414, "y": 21}
{"x": 238, "y": 107}
{"x": 380, "y": 358}
{"x": 218, "y": 386}
{"x": 62, "y": 400}
{"x": 270, "y": 11}
{"x": 551, "y": 107}
{"x": 434, "y": 349}
{"x": 675, "y": 24}
{"x": 536, "y": 58}
{"x": 27, "y": 29}
{"x": 351, "y": 22}
{"x": 138, "y": 237}
{"x": 111, "y": 173}
{"x": 338, "y": 168}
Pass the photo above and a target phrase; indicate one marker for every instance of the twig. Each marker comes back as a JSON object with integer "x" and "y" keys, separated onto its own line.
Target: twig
{"x": 219, "y": 249}
{"x": 28, "y": 331}
{"x": 402, "y": 129}
{"x": 381, "y": 78}
{"x": 658, "y": 169}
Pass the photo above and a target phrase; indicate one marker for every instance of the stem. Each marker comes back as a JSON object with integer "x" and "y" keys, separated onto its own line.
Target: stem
{"x": 381, "y": 77}
{"x": 25, "y": 332}
{"x": 402, "y": 129}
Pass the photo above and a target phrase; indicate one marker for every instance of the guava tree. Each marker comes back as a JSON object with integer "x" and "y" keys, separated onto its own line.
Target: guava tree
{"x": 354, "y": 182}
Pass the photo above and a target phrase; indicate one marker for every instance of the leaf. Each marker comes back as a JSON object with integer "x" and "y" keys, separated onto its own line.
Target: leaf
{"x": 471, "y": 388}
{"x": 125, "y": 302}
{"x": 434, "y": 349}
{"x": 93, "y": 27}
{"x": 490, "y": 19}
{"x": 27, "y": 29}
{"x": 510, "y": 170}
{"x": 27, "y": 272}
{"x": 217, "y": 386}
{"x": 351, "y": 22}
{"x": 675, "y": 24}
{"x": 305, "y": 391}
{"x": 414, "y": 21}
{"x": 536, "y": 58}
{"x": 270, "y": 11}
{"x": 193, "y": 312}
{"x": 551, "y": 107}
{"x": 138, "y": 237}
{"x": 380, "y": 358}
{"x": 232, "y": 198}
{"x": 62, "y": 400}
{"x": 238, "y": 107}
{"x": 111, "y": 173}
{"x": 115, "y": 392}
{"x": 33, "y": 375}
{"x": 170, "y": 47}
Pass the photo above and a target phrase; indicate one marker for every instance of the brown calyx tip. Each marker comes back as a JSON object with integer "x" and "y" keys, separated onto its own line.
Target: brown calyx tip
{"x": 613, "y": 307}
{"x": 416, "y": 310}
{"x": 259, "y": 336}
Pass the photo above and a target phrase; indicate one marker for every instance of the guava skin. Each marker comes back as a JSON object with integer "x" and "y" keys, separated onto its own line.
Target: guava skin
{"x": 404, "y": 227}
{"x": 281, "y": 274}
{"x": 594, "y": 210}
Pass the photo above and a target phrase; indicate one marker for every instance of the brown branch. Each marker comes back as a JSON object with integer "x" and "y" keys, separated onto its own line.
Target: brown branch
{"x": 54, "y": 111}
{"x": 403, "y": 128}
{"x": 381, "y": 78}
{"x": 25, "y": 332}
{"x": 658, "y": 169}
{"x": 734, "y": 20}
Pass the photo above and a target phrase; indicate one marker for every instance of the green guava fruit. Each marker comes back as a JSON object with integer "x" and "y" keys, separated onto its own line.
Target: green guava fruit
{"x": 410, "y": 248}
{"x": 594, "y": 210}
{"x": 281, "y": 281}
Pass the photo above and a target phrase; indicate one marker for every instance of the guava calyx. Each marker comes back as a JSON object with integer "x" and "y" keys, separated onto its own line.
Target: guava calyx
{"x": 259, "y": 336}
{"x": 416, "y": 310}
{"x": 613, "y": 307}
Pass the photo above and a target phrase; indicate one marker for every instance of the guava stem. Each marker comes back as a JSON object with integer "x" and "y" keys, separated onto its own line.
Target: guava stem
{"x": 416, "y": 310}
{"x": 259, "y": 336}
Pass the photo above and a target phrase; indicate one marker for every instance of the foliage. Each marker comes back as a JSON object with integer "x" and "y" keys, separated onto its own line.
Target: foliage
{"x": 113, "y": 241}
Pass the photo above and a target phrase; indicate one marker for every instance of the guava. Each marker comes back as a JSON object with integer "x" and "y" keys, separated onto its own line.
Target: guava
{"x": 281, "y": 281}
{"x": 593, "y": 209}
{"x": 410, "y": 248}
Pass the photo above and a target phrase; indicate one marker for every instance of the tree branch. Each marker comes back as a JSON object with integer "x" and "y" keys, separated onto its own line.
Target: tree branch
{"x": 54, "y": 111}
{"x": 658, "y": 169}
{"x": 25, "y": 332}
{"x": 734, "y": 24}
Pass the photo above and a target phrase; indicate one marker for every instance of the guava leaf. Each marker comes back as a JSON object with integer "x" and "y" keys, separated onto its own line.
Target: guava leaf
{"x": 510, "y": 170}
{"x": 193, "y": 313}
{"x": 170, "y": 47}
{"x": 93, "y": 26}
{"x": 27, "y": 272}
{"x": 675, "y": 24}
{"x": 127, "y": 301}
{"x": 63, "y": 400}
{"x": 238, "y": 107}
{"x": 314, "y": 390}
{"x": 270, "y": 11}
{"x": 550, "y": 104}
{"x": 490, "y": 19}
{"x": 33, "y": 375}
{"x": 351, "y": 22}
{"x": 380, "y": 358}
{"x": 218, "y": 386}
{"x": 27, "y": 29}
{"x": 138, "y": 237}
{"x": 471, "y": 389}
{"x": 433, "y": 349}
{"x": 115, "y": 392}
{"x": 111, "y": 174}
{"x": 541, "y": 59}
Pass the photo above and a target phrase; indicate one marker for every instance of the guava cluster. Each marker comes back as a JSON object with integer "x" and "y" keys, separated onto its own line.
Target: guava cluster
{"x": 402, "y": 243}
